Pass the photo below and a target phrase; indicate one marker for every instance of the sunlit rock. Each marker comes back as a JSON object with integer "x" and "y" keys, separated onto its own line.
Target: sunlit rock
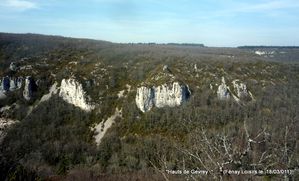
{"x": 170, "y": 95}
{"x": 223, "y": 91}
{"x": 72, "y": 92}
{"x": 29, "y": 88}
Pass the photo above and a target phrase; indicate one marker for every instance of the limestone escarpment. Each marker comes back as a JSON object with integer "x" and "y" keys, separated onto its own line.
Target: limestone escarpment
{"x": 72, "y": 92}
{"x": 170, "y": 95}
{"x": 240, "y": 89}
{"x": 30, "y": 88}
{"x": 145, "y": 98}
{"x": 9, "y": 84}
{"x": 223, "y": 91}
{"x": 238, "y": 92}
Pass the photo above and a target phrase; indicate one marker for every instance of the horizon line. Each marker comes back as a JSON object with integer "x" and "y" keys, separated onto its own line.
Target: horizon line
{"x": 203, "y": 45}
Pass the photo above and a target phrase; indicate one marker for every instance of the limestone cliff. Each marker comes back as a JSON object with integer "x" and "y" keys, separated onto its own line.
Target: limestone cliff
{"x": 145, "y": 98}
{"x": 72, "y": 92}
{"x": 5, "y": 84}
{"x": 223, "y": 91}
{"x": 15, "y": 83}
{"x": 161, "y": 96}
{"x": 238, "y": 92}
{"x": 9, "y": 84}
{"x": 240, "y": 89}
{"x": 30, "y": 88}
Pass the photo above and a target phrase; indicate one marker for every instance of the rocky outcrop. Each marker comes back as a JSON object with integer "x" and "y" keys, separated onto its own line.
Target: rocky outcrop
{"x": 173, "y": 95}
{"x": 240, "y": 88}
{"x": 13, "y": 66}
{"x": 30, "y": 88}
{"x": 223, "y": 91}
{"x": 145, "y": 98}
{"x": 260, "y": 52}
{"x": 238, "y": 93}
{"x": 9, "y": 84}
{"x": 72, "y": 92}
{"x": 5, "y": 84}
{"x": 161, "y": 96}
{"x": 15, "y": 83}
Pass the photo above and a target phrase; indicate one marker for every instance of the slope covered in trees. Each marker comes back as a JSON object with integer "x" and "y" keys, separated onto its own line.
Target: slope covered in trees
{"x": 54, "y": 140}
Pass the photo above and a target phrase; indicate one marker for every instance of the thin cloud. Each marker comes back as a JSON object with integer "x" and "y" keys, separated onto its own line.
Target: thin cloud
{"x": 19, "y": 4}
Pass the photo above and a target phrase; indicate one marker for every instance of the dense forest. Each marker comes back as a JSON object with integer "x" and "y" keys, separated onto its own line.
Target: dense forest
{"x": 53, "y": 140}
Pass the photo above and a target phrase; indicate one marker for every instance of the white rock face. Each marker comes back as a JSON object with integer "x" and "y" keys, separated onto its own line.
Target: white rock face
{"x": 2, "y": 92}
{"x": 240, "y": 88}
{"x": 260, "y": 52}
{"x": 29, "y": 88}
{"x": 10, "y": 83}
{"x": 223, "y": 91}
{"x": 15, "y": 83}
{"x": 161, "y": 96}
{"x": 72, "y": 92}
{"x": 145, "y": 98}
{"x": 171, "y": 96}
{"x": 239, "y": 91}
{"x": 26, "y": 92}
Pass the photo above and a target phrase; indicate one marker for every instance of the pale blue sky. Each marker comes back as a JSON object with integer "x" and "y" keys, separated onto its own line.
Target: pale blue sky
{"x": 212, "y": 22}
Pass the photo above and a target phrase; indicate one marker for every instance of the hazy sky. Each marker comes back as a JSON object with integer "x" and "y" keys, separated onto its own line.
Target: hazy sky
{"x": 212, "y": 22}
